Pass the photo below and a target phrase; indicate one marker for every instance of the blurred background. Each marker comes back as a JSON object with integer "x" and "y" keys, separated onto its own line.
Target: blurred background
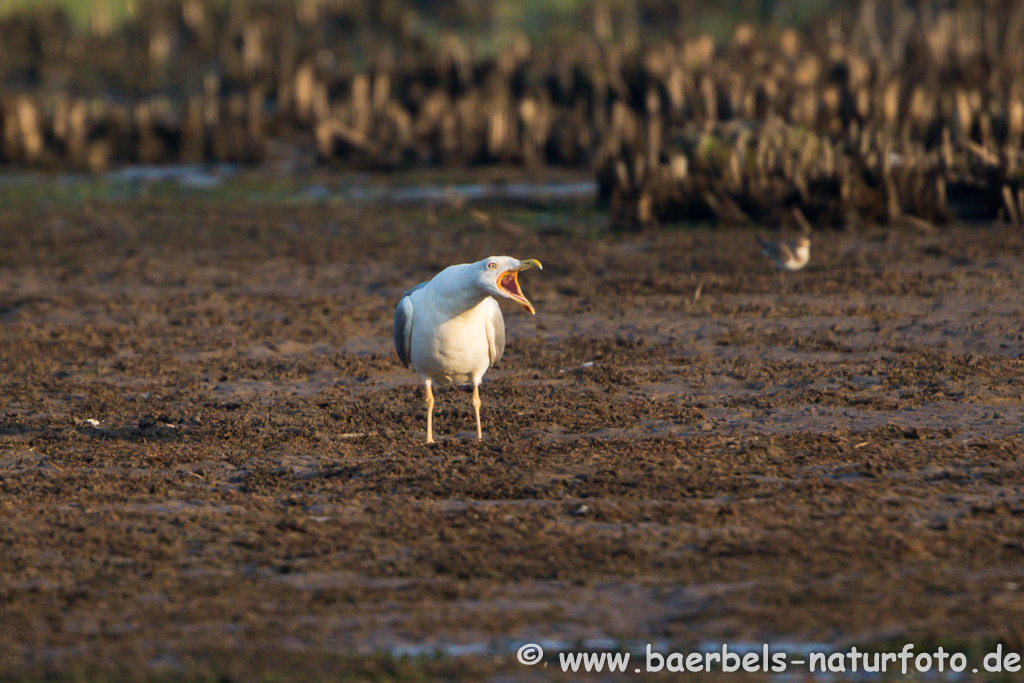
{"x": 810, "y": 112}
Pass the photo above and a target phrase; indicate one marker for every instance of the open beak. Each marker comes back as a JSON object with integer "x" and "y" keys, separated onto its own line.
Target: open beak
{"x": 508, "y": 282}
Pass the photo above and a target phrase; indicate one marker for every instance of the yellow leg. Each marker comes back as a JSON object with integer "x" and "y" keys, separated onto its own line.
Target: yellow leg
{"x": 430, "y": 413}
{"x": 476, "y": 408}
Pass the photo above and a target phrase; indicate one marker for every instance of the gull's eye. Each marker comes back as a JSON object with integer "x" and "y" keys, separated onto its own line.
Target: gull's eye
{"x": 492, "y": 265}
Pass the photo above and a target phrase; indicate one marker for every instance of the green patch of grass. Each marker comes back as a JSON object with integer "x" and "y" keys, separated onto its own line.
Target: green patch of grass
{"x": 538, "y": 20}
{"x": 99, "y": 14}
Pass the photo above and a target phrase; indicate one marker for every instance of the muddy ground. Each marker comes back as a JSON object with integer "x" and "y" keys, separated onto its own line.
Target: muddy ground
{"x": 211, "y": 460}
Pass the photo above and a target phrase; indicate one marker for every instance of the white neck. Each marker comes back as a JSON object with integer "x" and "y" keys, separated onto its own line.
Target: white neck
{"x": 456, "y": 297}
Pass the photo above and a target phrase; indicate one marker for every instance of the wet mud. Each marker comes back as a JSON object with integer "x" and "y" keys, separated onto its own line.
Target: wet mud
{"x": 211, "y": 460}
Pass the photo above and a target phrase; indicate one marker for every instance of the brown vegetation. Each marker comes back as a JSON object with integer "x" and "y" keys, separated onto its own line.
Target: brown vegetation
{"x": 882, "y": 111}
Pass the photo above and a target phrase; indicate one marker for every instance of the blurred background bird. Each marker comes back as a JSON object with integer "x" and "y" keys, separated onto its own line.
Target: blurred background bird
{"x": 787, "y": 255}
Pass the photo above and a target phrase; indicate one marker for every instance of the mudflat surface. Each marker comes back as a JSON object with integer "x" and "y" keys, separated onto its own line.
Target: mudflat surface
{"x": 211, "y": 459}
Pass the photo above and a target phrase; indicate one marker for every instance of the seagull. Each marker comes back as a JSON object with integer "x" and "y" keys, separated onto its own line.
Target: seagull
{"x": 787, "y": 255}
{"x": 450, "y": 329}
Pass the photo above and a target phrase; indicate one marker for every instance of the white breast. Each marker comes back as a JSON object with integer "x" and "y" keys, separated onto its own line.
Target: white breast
{"x": 450, "y": 349}
{"x": 799, "y": 258}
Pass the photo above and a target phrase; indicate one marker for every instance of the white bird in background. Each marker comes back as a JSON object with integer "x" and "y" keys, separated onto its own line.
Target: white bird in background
{"x": 787, "y": 255}
{"x": 450, "y": 329}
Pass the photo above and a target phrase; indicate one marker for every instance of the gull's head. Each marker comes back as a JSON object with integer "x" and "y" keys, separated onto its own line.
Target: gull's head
{"x": 499, "y": 276}
{"x": 803, "y": 248}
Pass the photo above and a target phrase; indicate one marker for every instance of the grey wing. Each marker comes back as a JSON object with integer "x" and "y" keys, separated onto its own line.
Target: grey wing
{"x": 495, "y": 330}
{"x": 403, "y": 329}
{"x": 403, "y": 326}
